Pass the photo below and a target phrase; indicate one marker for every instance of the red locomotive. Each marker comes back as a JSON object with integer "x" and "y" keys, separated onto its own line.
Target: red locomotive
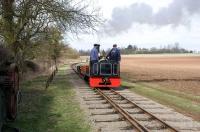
{"x": 106, "y": 74}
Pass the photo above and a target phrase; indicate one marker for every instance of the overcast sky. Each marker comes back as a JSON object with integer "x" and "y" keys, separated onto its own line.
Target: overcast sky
{"x": 145, "y": 23}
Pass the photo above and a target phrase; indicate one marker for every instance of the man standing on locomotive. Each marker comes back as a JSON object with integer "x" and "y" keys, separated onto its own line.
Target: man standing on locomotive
{"x": 94, "y": 58}
{"x": 114, "y": 55}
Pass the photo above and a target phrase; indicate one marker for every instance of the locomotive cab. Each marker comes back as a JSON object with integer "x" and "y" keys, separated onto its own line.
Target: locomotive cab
{"x": 105, "y": 73}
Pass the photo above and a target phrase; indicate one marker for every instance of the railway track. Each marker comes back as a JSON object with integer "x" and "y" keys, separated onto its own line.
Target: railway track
{"x": 119, "y": 110}
{"x": 113, "y": 98}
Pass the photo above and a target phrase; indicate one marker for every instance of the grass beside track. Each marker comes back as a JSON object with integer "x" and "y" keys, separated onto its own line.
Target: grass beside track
{"x": 51, "y": 110}
{"x": 179, "y": 101}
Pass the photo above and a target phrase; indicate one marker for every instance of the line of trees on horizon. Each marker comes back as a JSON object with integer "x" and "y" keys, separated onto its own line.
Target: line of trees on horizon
{"x": 134, "y": 49}
{"x": 170, "y": 48}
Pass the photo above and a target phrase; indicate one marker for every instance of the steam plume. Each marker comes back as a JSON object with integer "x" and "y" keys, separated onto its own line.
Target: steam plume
{"x": 179, "y": 12}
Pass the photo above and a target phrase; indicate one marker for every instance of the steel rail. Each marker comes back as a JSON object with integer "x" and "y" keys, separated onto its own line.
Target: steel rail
{"x": 147, "y": 112}
{"x": 73, "y": 67}
{"x": 124, "y": 113}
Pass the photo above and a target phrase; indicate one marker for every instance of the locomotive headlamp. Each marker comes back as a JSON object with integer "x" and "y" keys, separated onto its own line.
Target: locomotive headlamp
{"x": 105, "y": 80}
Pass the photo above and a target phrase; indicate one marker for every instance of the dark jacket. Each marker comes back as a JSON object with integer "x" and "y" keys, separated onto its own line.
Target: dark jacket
{"x": 114, "y": 55}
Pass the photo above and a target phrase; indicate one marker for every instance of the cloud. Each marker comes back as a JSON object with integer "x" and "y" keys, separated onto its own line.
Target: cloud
{"x": 179, "y": 12}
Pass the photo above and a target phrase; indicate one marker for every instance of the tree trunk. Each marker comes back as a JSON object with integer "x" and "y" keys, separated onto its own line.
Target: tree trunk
{"x": 8, "y": 16}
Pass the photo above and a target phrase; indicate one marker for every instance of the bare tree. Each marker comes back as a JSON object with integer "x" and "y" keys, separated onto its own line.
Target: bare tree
{"x": 25, "y": 21}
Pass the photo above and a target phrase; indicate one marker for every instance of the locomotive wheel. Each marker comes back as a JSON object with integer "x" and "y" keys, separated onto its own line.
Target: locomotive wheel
{"x": 12, "y": 99}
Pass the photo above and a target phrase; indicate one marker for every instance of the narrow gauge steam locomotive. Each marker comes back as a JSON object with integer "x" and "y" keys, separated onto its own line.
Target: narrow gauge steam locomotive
{"x": 103, "y": 73}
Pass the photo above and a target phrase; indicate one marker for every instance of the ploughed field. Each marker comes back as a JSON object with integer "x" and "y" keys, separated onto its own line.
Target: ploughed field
{"x": 176, "y": 72}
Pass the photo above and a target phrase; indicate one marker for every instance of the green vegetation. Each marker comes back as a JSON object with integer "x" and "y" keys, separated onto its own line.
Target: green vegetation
{"x": 52, "y": 110}
{"x": 31, "y": 36}
{"x": 176, "y": 100}
{"x": 191, "y": 97}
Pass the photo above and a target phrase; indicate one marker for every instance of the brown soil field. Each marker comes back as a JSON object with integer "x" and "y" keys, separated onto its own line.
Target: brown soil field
{"x": 176, "y": 72}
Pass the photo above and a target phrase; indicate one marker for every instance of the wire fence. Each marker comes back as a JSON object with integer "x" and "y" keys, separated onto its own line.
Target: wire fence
{"x": 51, "y": 77}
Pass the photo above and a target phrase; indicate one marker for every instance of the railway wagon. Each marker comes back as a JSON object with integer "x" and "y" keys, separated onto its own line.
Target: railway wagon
{"x": 103, "y": 74}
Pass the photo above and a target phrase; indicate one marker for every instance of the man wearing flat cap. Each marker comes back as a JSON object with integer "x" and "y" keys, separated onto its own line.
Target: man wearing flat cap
{"x": 94, "y": 58}
{"x": 114, "y": 55}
